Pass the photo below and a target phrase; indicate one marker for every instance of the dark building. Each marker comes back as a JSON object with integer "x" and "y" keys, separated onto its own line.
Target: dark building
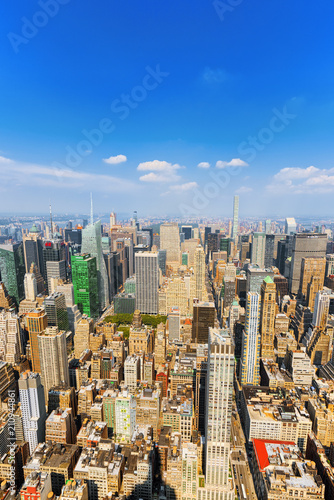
{"x": 56, "y": 311}
{"x": 282, "y": 287}
{"x": 162, "y": 255}
{"x": 53, "y": 251}
{"x": 213, "y": 242}
{"x": 207, "y": 231}
{"x": 203, "y": 319}
{"x": 269, "y": 251}
{"x": 305, "y": 245}
{"x": 73, "y": 236}
{"x": 186, "y": 230}
{"x": 12, "y": 269}
{"x": 124, "y": 303}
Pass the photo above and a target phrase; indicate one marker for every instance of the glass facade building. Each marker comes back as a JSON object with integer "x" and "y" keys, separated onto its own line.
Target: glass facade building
{"x": 85, "y": 283}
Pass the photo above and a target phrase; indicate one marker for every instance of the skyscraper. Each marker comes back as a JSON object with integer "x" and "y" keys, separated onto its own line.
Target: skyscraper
{"x": 199, "y": 271}
{"x": 56, "y": 270}
{"x": 304, "y": 245}
{"x": 170, "y": 241}
{"x": 258, "y": 249}
{"x": 85, "y": 283}
{"x": 321, "y": 310}
{"x": 37, "y": 321}
{"x": 268, "y": 313}
{"x": 251, "y": 340}
{"x": 10, "y": 337}
{"x": 56, "y": 311}
{"x": 290, "y": 226}
{"x": 92, "y": 244}
{"x": 53, "y": 358}
{"x": 33, "y": 408}
{"x": 147, "y": 282}
{"x": 311, "y": 268}
{"x": 203, "y": 319}
{"x": 30, "y": 286}
{"x": 218, "y": 415}
{"x": 12, "y": 269}
{"x": 235, "y": 217}
{"x": 33, "y": 249}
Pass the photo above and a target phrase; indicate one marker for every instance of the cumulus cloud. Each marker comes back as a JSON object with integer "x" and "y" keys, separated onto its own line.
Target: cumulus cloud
{"x": 297, "y": 180}
{"x": 203, "y": 164}
{"x": 235, "y": 162}
{"x": 244, "y": 190}
{"x": 114, "y": 160}
{"x": 5, "y": 160}
{"x": 160, "y": 171}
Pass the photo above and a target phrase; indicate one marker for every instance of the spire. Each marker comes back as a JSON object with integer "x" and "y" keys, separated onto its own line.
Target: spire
{"x": 51, "y": 232}
{"x": 91, "y": 209}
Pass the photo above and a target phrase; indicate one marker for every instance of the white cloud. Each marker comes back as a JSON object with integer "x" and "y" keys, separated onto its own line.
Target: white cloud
{"x": 160, "y": 171}
{"x": 297, "y": 180}
{"x": 204, "y": 164}
{"x": 244, "y": 190}
{"x": 57, "y": 176}
{"x": 5, "y": 160}
{"x": 114, "y": 160}
{"x": 235, "y": 162}
{"x": 216, "y": 75}
{"x": 180, "y": 188}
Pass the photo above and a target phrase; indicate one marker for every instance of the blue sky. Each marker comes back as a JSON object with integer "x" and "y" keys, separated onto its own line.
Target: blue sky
{"x": 243, "y": 88}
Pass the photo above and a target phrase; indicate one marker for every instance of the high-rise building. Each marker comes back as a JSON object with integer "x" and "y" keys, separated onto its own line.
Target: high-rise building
{"x": 10, "y": 337}
{"x": 255, "y": 277}
{"x": 258, "y": 249}
{"x": 321, "y": 310}
{"x": 54, "y": 250}
{"x": 187, "y": 231}
{"x": 199, "y": 271}
{"x": 30, "y": 286}
{"x": 203, "y": 319}
{"x": 268, "y": 313}
{"x": 12, "y": 269}
{"x": 92, "y": 244}
{"x": 235, "y": 217}
{"x": 53, "y": 358}
{"x": 170, "y": 241}
{"x": 55, "y": 269}
{"x": 218, "y": 416}
{"x": 304, "y": 245}
{"x": 251, "y": 341}
{"x": 37, "y": 322}
{"x": 132, "y": 371}
{"x": 33, "y": 408}
{"x": 56, "y": 311}
{"x": 311, "y": 267}
{"x": 33, "y": 249}
{"x": 329, "y": 264}
{"x": 85, "y": 283}
{"x": 173, "y": 318}
{"x": 147, "y": 282}
{"x": 112, "y": 220}
{"x": 268, "y": 226}
{"x": 81, "y": 338}
{"x": 290, "y": 226}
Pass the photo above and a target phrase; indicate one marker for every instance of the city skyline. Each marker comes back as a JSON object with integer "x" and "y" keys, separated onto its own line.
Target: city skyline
{"x": 161, "y": 127}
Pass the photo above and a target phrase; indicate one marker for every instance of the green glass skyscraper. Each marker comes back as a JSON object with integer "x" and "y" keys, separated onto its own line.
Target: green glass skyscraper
{"x": 12, "y": 269}
{"x": 85, "y": 284}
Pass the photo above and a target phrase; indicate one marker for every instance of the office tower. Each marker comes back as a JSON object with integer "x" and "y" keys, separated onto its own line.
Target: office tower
{"x": 304, "y": 245}
{"x": 132, "y": 371}
{"x": 199, "y": 271}
{"x": 255, "y": 277}
{"x": 213, "y": 243}
{"x": 147, "y": 282}
{"x": 33, "y": 249}
{"x": 53, "y": 358}
{"x": 321, "y": 310}
{"x": 218, "y": 416}
{"x": 73, "y": 313}
{"x": 170, "y": 241}
{"x": 235, "y": 217}
{"x": 269, "y": 250}
{"x": 125, "y": 416}
{"x": 37, "y": 321}
{"x": 57, "y": 270}
{"x": 33, "y": 408}
{"x": 10, "y": 337}
{"x": 268, "y": 313}
{"x": 92, "y": 244}
{"x": 60, "y": 427}
{"x": 311, "y": 267}
{"x": 30, "y": 286}
{"x": 187, "y": 231}
{"x": 85, "y": 283}
{"x": 258, "y": 249}
{"x": 268, "y": 226}
{"x": 56, "y": 311}
{"x": 290, "y": 226}
{"x": 112, "y": 220}
{"x": 73, "y": 236}
{"x": 203, "y": 319}
{"x": 39, "y": 278}
{"x": 173, "y": 318}
{"x": 54, "y": 250}
{"x": 251, "y": 341}
{"x": 227, "y": 293}
{"x": 329, "y": 264}
{"x": 12, "y": 269}
{"x": 160, "y": 345}
{"x": 81, "y": 338}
